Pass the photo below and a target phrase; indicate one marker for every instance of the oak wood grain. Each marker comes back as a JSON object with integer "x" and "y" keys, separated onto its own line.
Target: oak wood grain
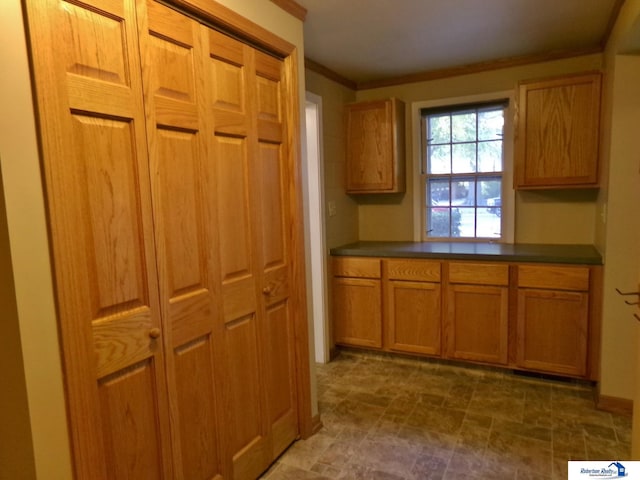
{"x": 375, "y": 147}
{"x": 557, "y": 143}
{"x": 92, "y": 125}
{"x": 356, "y": 267}
{"x": 560, "y": 277}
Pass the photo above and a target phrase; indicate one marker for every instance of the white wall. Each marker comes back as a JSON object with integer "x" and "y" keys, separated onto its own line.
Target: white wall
{"x": 342, "y": 227}
{"x": 618, "y": 222}
{"x": 28, "y": 250}
{"x": 622, "y": 254}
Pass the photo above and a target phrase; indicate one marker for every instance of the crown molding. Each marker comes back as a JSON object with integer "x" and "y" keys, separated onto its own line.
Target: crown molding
{"x": 292, "y": 7}
{"x": 615, "y": 12}
{"x": 477, "y": 68}
{"x": 328, "y": 73}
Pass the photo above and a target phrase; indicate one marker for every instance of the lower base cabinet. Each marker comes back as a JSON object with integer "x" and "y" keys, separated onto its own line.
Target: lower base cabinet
{"x": 553, "y": 319}
{"x": 477, "y": 323}
{"x": 535, "y": 317}
{"x": 357, "y": 297}
{"x": 357, "y": 312}
{"x": 413, "y": 306}
{"x": 477, "y": 318}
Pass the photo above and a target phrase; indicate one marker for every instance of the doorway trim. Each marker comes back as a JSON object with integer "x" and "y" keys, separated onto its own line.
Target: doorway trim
{"x": 315, "y": 210}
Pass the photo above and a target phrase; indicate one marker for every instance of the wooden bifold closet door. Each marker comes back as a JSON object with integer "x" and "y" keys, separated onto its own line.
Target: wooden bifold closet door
{"x": 183, "y": 195}
{"x": 168, "y": 190}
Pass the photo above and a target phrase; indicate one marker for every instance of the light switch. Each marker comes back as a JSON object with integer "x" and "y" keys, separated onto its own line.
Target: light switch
{"x": 331, "y": 206}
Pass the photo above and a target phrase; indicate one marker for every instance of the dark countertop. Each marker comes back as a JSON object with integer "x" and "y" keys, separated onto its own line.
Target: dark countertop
{"x": 572, "y": 254}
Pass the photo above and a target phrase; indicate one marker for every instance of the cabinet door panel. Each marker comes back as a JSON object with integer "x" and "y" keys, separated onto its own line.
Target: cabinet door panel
{"x": 558, "y": 132}
{"x": 477, "y": 323}
{"x": 414, "y": 317}
{"x": 375, "y": 147}
{"x": 357, "y": 316}
{"x": 552, "y": 331}
{"x": 370, "y": 146}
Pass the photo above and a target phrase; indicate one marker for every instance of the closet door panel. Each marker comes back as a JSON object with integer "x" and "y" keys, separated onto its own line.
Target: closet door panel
{"x": 280, "y": 376}
{"x": 91, "y": 118}
{"x": 234, "y": 213}
{"x": 234, "y": 157}
{"x": 195, "y": 390}
{"x": 273, "y": 215}
{"x": 130, "y": 410}
{"x": 228, "y": 85}
{"x": 244, "y": 384}
{"x": 173, "y": 68}
{"x": 275, "y": 261}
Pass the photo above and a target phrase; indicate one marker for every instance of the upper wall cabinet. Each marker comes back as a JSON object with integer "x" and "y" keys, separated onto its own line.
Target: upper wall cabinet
{"x": 375, "y": 147}
{"x": 558, "y": 132}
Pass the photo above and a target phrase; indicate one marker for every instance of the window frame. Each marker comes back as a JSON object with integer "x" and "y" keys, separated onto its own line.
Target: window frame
{"x": 419, "y": 149}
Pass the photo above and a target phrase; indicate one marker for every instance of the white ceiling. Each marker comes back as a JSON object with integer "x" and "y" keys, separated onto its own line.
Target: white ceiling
{"x": 372, "y": 40}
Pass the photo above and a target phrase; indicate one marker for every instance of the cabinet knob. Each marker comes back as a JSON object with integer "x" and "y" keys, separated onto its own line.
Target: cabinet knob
{"x": 267, "y": 290}
{"x": 154, "y": 333}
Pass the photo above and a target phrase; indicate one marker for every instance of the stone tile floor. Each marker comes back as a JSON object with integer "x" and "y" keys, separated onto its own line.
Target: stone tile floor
{"x": 393, "y": 418}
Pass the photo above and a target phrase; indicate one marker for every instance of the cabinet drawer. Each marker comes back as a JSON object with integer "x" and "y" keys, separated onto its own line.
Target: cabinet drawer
{"x": 554, "y": 277}
{"x": 479, "y": 273}
{"x": 359, "y": 267}
{"x": 413, "y": 270}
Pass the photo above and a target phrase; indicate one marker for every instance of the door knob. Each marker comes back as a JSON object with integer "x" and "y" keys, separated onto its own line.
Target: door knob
{"x": 154, "y": 333}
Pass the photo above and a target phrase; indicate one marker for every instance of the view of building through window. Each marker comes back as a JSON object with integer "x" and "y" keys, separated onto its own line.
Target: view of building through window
{"x": 462, "y": 171}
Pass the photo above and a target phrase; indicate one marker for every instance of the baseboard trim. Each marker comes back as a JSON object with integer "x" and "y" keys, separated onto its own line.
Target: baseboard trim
{"x": 316, "y": 424}
{"x": 618, "y": 405}
{"x": 333, "y": 353}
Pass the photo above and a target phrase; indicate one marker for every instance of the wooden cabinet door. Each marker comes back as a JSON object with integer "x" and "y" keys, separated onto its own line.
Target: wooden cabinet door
{"x": 92, "y": 125}
{"x": 558, "y": 132}
{"x": 375, "y": 147}
{"x": 477, "y": 323}
{"x": 252, "y": 182}
{"x": 552, "y": 331}
{"x": 173, "y": 54}
{"x": 413, "y": 317}
{"x": 357, "y": 312}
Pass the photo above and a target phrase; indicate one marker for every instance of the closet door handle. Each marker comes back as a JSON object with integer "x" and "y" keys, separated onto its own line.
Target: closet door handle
{"x": 154, "y": 333}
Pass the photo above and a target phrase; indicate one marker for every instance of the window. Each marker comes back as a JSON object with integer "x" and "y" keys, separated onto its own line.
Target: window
{"x": 462, "y": 171}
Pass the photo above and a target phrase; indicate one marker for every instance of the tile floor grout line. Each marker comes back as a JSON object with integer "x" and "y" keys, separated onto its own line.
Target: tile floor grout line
{"x": 419, "y": 429}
